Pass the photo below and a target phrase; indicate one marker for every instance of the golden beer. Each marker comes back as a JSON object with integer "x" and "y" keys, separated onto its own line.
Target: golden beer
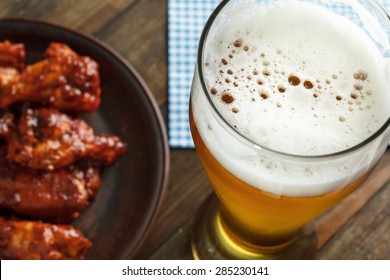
{"x": 288, "y": 117}
{"x": 255, "y": 218}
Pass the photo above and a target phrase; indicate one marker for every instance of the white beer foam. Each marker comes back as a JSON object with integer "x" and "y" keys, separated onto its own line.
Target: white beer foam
{"x": 253, "y": 62}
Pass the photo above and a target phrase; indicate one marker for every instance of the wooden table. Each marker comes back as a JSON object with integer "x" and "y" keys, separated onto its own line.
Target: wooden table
{"x": 358, "y": 228}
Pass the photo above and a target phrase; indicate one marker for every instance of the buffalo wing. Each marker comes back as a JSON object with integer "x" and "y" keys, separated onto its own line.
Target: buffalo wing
{"x": 36, "y": 240}
{"x": 64, "y": 80}
{"x": 12, "y": 55}
{"x": 49, "y": 161}
{"x": 47, "y": 139}
{"x": 47, "y": 195}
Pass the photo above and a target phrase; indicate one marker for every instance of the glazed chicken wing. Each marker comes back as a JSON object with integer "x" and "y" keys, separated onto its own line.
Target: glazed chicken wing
{"x": 64, "y": 80}
{"x": 36, "y": 240}
{"x": 12, "y": 55}
{"x": 12, "y": 58}
{"x": 49, "y": 161}
{"x": 47, "y": 195}
{"x": 47, "y": 139}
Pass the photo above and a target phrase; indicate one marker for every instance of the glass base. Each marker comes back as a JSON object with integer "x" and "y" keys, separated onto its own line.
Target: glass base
{"x": 211, "y": 241}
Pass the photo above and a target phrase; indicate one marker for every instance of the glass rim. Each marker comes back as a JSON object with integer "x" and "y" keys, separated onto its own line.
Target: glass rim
{"x": 200, "y": 64}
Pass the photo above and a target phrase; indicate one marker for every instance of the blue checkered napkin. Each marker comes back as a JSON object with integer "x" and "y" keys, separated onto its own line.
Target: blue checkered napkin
{"x": 186, "y": 19}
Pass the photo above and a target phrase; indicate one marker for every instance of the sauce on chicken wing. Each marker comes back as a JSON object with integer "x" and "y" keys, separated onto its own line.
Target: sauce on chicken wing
{"x": 12, "y": 55}
{"x": 27, "y": 240}
{"x": 49, "y": 162}
{"x": 47, "y": 195}
{"x": 64, "y": 80}
{"x": 48, "y": 139}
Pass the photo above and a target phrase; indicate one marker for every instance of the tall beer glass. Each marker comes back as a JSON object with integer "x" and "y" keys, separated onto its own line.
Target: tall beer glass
{"x": 289, "y": 113}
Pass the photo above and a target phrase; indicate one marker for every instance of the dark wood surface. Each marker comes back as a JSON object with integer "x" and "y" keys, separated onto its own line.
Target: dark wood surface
{"x": 358, "y": 228}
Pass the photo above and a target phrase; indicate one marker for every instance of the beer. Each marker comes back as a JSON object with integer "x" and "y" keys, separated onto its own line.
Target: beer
{"x": 259, "y": 218}
{"x": 289, "y": 113}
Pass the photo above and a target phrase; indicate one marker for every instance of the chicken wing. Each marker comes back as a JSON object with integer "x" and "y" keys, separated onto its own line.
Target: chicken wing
{"x": 56, "y": 195}
{"x": 63, "y": 80}
{"x": 47, "y": 139}
{"x": 36, "y": 240}
{"x": 12, "y": 55}
{"x": 12, "y": 58}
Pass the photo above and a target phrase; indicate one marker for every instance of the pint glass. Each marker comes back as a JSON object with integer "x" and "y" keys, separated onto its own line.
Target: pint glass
{"x": 289, "y": 113}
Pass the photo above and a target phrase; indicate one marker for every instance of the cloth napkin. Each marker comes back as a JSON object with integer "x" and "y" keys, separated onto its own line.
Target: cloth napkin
{"x": 186, "y": 19}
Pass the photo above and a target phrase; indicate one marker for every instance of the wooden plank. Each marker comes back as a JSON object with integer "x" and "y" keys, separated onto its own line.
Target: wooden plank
{"x": 88, "y": 16}
{"x": 57, "y": 11}
{"x": 64, "y": 11}
{"x": 26, "y": 8}
{"x": 178, "y": 247}
{"x": 140, "y": 35}
{"x": 102, "y": 15}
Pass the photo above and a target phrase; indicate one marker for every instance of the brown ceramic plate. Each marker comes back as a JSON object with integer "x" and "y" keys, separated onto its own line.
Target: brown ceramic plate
{"x": 119, "y": 220}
